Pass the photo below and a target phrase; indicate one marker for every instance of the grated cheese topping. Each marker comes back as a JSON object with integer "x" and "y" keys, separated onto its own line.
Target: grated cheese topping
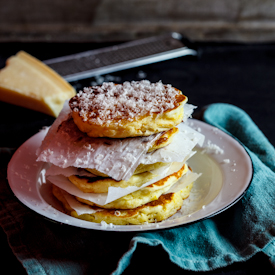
{"x": 110, "y": 101}
{"x": 212, "y": 148}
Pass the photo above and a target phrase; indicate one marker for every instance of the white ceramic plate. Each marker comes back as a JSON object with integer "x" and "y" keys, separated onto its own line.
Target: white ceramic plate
{"x": 226, "y": 174}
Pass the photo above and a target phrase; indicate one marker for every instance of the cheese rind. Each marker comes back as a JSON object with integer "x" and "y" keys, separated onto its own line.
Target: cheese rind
{"x": 25, "y": 81}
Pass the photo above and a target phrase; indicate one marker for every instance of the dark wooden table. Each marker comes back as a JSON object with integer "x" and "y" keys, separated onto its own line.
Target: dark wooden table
{"x": 238, "y": 74}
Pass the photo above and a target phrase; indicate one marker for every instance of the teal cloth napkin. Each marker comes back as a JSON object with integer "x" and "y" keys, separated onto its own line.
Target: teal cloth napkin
{"x": 238, "y": 233}
{"x": 247, "y": 228}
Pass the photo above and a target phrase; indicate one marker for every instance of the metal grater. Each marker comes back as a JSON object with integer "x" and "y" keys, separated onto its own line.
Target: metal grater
{"x": 124, "y": 56}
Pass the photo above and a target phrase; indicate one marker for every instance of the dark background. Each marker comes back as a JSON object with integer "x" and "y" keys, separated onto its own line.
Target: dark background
{"x": 237, "y": 73}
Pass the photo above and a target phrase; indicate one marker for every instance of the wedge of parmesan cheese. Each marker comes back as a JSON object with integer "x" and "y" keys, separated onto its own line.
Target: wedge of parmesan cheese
{"x": 25, "y": 81}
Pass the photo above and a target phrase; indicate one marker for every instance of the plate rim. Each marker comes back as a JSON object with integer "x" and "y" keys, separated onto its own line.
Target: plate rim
{"x": 131, "y": 228}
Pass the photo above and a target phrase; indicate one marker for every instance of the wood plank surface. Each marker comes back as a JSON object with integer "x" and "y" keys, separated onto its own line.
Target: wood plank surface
{"x": 123, "y": 20}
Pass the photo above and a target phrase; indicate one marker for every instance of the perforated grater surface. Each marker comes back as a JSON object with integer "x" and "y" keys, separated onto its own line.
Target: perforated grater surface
{"x": 124, "y": 56}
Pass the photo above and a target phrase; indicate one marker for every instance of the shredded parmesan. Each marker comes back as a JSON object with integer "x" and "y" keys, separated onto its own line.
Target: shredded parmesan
{"x": 110, "y": 101}
{"x": 212, "y": 148}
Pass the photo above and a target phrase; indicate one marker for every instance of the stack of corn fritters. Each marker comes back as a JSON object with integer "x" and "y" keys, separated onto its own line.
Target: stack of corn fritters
{"x": 110, "y": 155}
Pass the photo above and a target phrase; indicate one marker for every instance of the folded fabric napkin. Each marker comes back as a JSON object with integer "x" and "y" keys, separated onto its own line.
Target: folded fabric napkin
{"x": 248, "y": 227}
